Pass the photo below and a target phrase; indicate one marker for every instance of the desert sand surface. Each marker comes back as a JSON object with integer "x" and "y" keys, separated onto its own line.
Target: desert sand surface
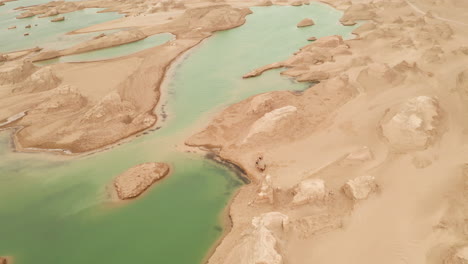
{"x": 366, "y": 166}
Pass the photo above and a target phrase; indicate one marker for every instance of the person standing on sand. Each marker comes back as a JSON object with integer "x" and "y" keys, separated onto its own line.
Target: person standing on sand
{"x": 260, "y": 164}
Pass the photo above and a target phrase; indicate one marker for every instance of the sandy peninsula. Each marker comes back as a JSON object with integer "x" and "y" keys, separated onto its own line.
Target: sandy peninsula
{"x": 367, "y": 166}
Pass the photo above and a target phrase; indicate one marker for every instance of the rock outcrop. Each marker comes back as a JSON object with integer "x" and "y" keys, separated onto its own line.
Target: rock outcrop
{"x": 378, "y": 76}
{"x": 313, "y": 76}
{"x": 269, "y": 121}
{"x": 58, "y": 19}
{"x": 228, "y": 131}
{"x": 362, "y": 154}
{"x": 458, "y": 256}
{"x": 15, "y": 72}
{"x": 266, "y": 191}
{"x": 309, "y": 191}
{"x": 462, "y": 84}
{"x": 25, "y": 15}
{"x": 41, "y": 80}
{"x": 329, "y": 42}
{"x": 360, "y": 188}
{"x": 306, "y": 22}
{"x": 64, "y": 97}
{"x": 52, "y": 8}
{"x": 103, "y": 41}
{"x": 136, "y": 180}
{"x": 357, "y": 12}
{"x": 413, "y": 125}
{"x": 266, "y": 3}
{"x": 110, "y": 107}
{"x": 47, "y": 55}
{"x": 261, "y": 70}
{"x": 260, "y": 245}
{"x": 297, "y": 3}
{"x": 212, "y": 18}
{"x": 115, "y": 39}
{"x": 52, "y": 12}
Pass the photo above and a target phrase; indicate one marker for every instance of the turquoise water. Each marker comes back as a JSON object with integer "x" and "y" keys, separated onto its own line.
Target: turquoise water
{"x": 114, "y": 52}
{"x": 55, "y": 210}
{"x": 46, "y": 34}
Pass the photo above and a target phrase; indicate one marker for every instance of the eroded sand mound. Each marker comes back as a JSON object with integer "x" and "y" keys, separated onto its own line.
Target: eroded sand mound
{"x": 360, "y": 188}
{"x": 64, "y": 97}
{"x": 306, "y": 22}
{"x": 15, "y": 72}
{"x": 266, "y": 191}
{"x": 414, "y": 124}
{"x": 41, "y": 80}
{"x": 136, "y": 180}
{"x": 52, "y": 9}
{"x": 260, "y": 245}
{"x": 458, "y": 255}
{"x": 357, "y": 12}
{"x": 313, "y": 63}
{"x": 211, "y": 19}
{"x": 269, "y": 121}
{"x": 296, "y": 116}
{"x": 105, "y": 41}
{"x": 4, "y": 260}
{"x": 309, "y": 191}
{"x": 378, "y": 76}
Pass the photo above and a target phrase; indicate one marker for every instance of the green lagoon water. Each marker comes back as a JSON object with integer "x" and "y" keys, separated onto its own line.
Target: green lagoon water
{"x": 46, "y": 34}
{"x": 55, "y": 210}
